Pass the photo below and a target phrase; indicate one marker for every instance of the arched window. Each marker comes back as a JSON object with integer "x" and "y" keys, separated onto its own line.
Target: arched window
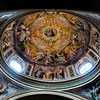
{"x": 16, "y": 65}
{"x": 85, "y": 67}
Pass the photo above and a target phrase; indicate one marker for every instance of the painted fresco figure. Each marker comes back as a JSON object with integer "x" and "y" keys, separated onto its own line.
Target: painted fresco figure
{"x": 59, "y": 58}
{"x": 48, "y": 58}
{"x": 7, "y": 40}
{"x": 59, "y": 73}
{"x": 38, "y": 73}
{"x": 49, "y": 74}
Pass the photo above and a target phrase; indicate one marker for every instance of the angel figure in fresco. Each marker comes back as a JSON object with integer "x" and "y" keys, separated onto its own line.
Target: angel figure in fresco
{"x": 48, "y": 58}
{"x": 21, "y": 40}
{"x": 22, "y": 35}
{"x": 59, "y": 73}
{"x": 59, "y": 57}
{"x": 38, "y": 72}
{"x": 7, "y": 39}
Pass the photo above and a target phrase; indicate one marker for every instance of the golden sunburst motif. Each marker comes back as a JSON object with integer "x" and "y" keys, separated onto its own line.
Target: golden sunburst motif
{"x": 51, "y": 38}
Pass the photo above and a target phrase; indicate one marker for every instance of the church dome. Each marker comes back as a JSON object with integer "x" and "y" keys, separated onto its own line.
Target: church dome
{"x": 50, "y": 46}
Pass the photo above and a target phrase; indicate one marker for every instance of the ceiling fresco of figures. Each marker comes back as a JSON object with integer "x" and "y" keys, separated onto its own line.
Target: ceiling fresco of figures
{"x": 50, "y": 38}
{"x": 49, "y": 47}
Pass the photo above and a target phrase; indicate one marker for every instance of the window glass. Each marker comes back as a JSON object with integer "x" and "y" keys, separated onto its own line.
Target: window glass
{"x": 85, "y": 67}
{"x": 16, "y": 66}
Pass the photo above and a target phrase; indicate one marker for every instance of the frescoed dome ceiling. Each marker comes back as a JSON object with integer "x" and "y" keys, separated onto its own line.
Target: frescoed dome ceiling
{"x": 50, "y": 46}
{"x": 50, "y": 38}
